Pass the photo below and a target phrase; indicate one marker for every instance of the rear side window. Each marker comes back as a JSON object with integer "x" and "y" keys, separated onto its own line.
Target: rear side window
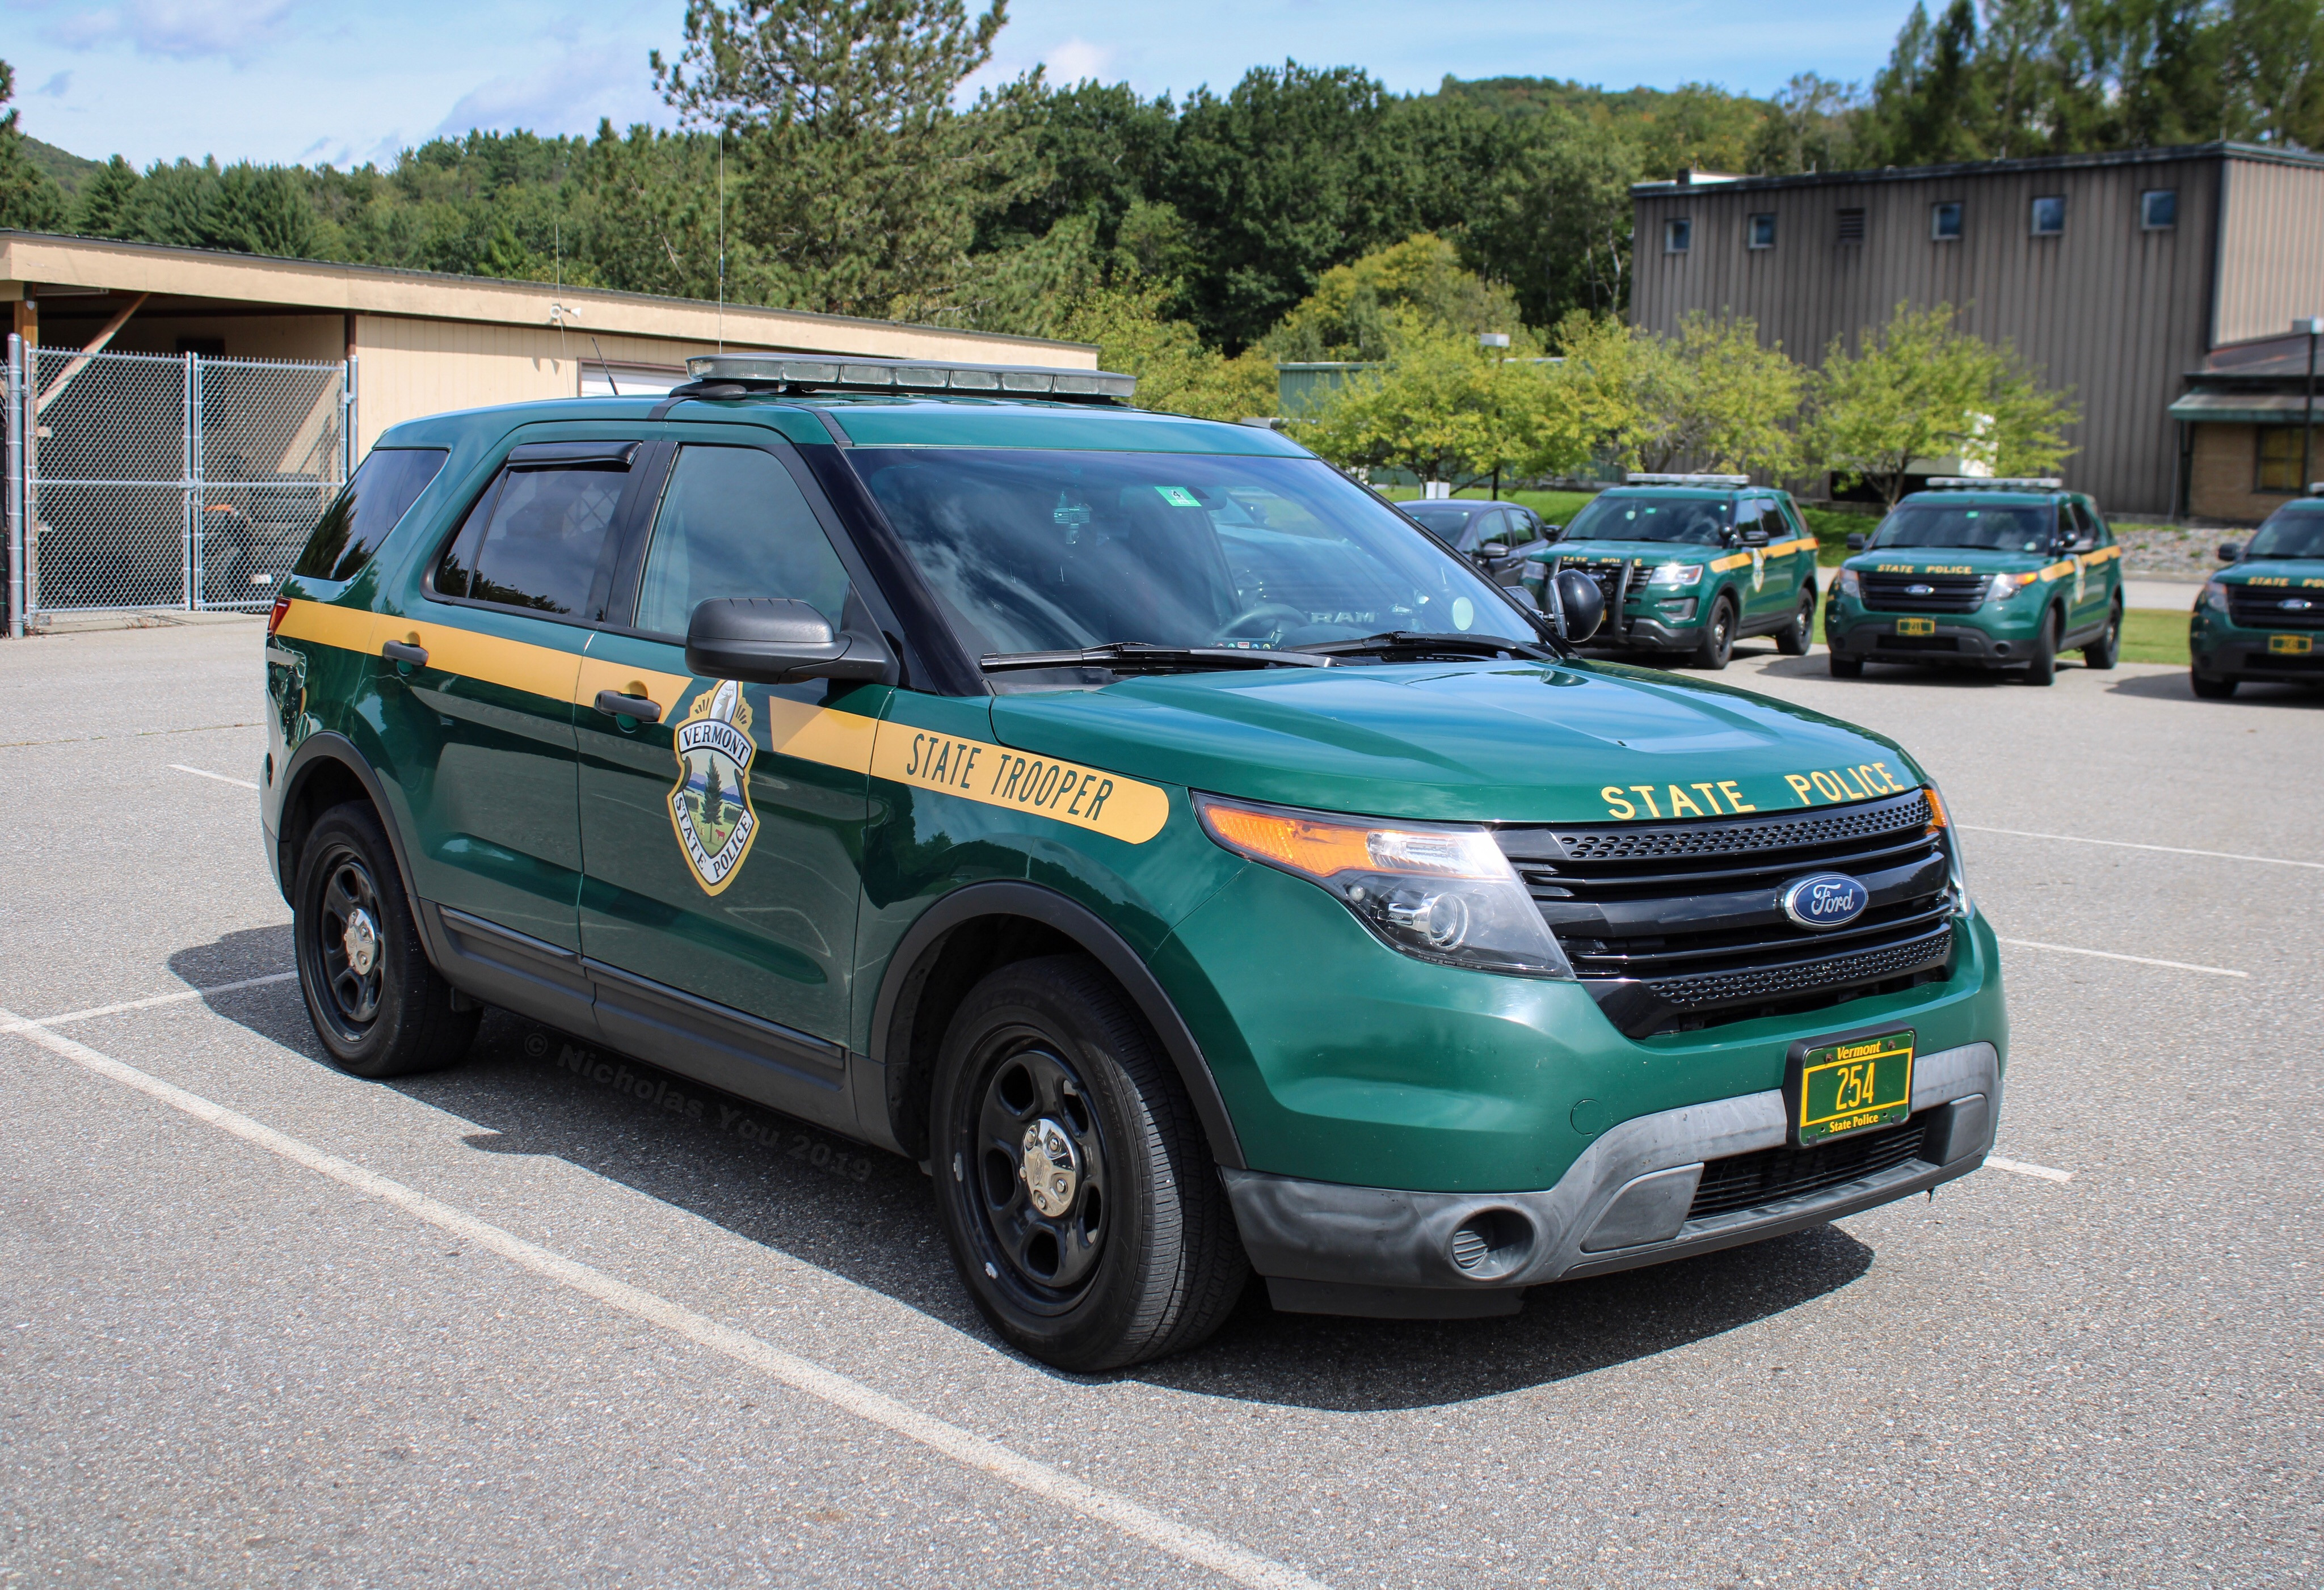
{"x": 734, "y": 523}
{"x": 535, "y": 540}
{"x": 373, "y": 504}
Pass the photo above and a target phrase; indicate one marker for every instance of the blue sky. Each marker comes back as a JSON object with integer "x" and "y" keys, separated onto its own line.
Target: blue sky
{"x": 305, "y": 80}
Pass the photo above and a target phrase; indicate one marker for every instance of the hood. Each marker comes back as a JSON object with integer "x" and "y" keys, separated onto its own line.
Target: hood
{"x": 1486, "y": 741}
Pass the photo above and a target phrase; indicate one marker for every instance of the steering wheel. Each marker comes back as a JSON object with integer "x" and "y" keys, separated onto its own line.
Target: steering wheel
{"x": 1259, "y": 623}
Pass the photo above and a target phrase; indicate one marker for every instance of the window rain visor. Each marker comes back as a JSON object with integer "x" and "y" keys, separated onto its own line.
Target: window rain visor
{"x": 1036, "y": 550}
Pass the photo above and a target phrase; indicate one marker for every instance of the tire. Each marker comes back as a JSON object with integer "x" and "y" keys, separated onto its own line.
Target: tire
{"x": 2107, "y": 650}
{"x": 1141, "y": 1258}
{"x": 1798, "y": 637}
{"x": 2043, "y": 668}
{"x": 379, "y": 1006}
{"x": 2211, "y": 686}
{"x": 1847, "y": 667}
{"x": 1718, "y": 642}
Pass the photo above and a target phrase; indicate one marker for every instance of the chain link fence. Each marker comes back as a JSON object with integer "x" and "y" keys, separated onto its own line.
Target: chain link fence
{"x": 143, "y": 481}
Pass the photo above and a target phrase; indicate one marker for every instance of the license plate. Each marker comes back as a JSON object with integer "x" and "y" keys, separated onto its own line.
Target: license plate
{"x": 1849, "y": 1085}
{"x": 2291, "y": 645}
{"x": 1916, "y": 626}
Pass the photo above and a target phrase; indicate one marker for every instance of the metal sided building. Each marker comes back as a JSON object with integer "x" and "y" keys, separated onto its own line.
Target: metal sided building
{"x": 2122, "y": 276}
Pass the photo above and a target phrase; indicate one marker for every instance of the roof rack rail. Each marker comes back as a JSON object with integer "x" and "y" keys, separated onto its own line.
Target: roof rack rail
{"x": 749, "y": 372}
{"x": 1994, "y": 482}
{"x": 1686, "y": 480}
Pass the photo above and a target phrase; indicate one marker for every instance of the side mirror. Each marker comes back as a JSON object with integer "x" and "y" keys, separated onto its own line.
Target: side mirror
{"x": 1577, "y": 606}
{"x": 1493, "y": 549}
{"x": 1856, "y": 540}
{"x": 2229, "y": 552}
{"x": 1755, "y": 536}
{"x": 763, "y": 640}
{"x": 1552, "y": 532}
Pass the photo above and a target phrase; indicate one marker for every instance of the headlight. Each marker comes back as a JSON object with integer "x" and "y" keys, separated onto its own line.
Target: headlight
{"x": 1676, "y": 574}
{"x": 1941, "y": 830}
{"x": 2005, "y": 586}
{"x": 1440, "y": 893}
{"x": 2215, "y": 596}
{"x": 1845, "y": 584}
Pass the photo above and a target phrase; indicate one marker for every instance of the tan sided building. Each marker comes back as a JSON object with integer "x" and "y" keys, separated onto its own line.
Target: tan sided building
{"x": 2157, "y": 284}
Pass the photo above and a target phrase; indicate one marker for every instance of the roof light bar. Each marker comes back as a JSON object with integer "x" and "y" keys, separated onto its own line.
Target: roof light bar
{"x": 1994, "y": 482}
{"x": 914, "y": 375}
{"x": 1687, "y": 480}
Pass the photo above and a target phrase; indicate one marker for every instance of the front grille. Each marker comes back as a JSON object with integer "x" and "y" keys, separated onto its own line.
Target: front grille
{"x": 1616, "y": 579}
{"x": 1771, "y": 1175}
{"x": 2258, "y": 608}
{"x": 1944, "y": 593}
{"x": 1673, "y": 927}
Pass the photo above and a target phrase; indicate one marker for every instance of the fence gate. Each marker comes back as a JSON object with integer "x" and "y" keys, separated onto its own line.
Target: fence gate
{"x": 143, "y": 481}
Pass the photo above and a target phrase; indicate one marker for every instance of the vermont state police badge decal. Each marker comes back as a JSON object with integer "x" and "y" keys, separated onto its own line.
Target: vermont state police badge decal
{"x": 710, "y": 805}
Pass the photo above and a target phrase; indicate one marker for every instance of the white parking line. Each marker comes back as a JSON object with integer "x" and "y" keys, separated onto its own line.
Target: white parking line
{"x": 1184, "y": 1542}
{"x": 2023, "y": 1169}
{"x": 203, "y": 773}
{"x": 49, "y": 1021}
{"x": 2121, "y": 844}
{"x": 2216, "y": 972}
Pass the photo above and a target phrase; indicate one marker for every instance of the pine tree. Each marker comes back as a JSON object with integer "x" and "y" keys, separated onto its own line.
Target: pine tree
{"x": 30, "y": 198}
{"x": 713, "y": 798}
{"x": 107, "y": 200}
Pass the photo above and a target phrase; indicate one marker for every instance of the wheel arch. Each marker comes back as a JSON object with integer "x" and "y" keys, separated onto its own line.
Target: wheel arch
{"x": 327, "y": 770}
{"x": 973, "y": 931}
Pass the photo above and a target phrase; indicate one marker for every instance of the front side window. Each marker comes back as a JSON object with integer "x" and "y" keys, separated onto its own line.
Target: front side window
{"x": 536, "y": 541}
{"x": 2049, "y": 219}
{"x": 1034, "y": 550}
{"x": 1624, "y": 516}
{"x": 734, "y": 523}
{"x": 2158, "y": 209}
{"x": 1945, "y": 221}
{"x": 1762, "y": 232}
{"x": 1678, "y": 234}
{"x": 374, "y": 503}
{"x": 2296, "y": 529}
{"x": 2278, "y": 459}
{"x": 2010, "y": 528}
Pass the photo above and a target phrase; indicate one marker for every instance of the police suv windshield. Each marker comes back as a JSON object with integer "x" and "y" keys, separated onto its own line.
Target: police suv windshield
{"x": 1040, "y": 551}
{"x": 2294, "y": 531}
{"x": 1636, "y": 516}
{"x": 2008, "y": 528}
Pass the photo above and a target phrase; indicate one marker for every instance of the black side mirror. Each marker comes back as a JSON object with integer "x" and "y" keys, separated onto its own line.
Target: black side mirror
{"x": 1856, "y": 540}
{"x": 764, "y": 640}
{"x": 1577, "y": 607}
{"x": 1552, "y": 532}
{"x": 1755, "y": 536}
{"x": 2229, "y": 552}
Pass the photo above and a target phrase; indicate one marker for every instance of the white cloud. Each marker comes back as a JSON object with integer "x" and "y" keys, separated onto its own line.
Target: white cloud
{"x": 56, "y": 88}
{"x": 567, "y": 95}
{"x": 1076, "y": 59}
{"x": 181, "y": 30}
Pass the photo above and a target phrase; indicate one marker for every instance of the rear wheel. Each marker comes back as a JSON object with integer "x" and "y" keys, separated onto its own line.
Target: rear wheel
{"x": 1073, "y": 1182}
{"x": 378, "y": 1006}
{"x": 1794, "y": 638}
{"x": 2211, "y": 686}
{"x": 1718, "y": 642}
{"x": 2043, "y": 668}
{"x": 1847, "y": 667}
{"x": 2103, "y": 652}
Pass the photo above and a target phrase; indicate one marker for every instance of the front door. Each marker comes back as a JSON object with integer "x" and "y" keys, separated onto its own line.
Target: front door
{"x": 722, "y": 823}
{"x": 1760, "y": 583}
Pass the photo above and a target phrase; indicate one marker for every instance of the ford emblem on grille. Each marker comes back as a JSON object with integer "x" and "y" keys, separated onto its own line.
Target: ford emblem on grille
{"x": 2295, "y": 605}
{"x": 1824, "y": 899}
{"x": 1920, "y": 589}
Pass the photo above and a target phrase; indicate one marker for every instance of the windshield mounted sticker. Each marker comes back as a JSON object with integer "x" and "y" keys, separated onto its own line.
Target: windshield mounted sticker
{"x": 1179, "y": 497}
{"x": 710, "y": 806}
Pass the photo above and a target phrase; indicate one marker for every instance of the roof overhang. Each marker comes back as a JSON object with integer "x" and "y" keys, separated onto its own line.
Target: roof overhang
{"x": 2214, "y": 407}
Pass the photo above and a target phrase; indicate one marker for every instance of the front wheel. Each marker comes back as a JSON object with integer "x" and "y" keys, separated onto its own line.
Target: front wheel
{"x": 2107, "y": 650}
{"x": 2043, "y": 668}
{"x": 1718, "y": 642}
{"x": 2211, "y": 687}
{"x": 1073, "y": 1182}
{"x": 1847, "y": 667}
{"x": 1794, "y": 638}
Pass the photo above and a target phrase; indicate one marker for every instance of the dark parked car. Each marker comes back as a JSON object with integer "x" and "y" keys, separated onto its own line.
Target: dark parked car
{"x": 1488, "y": 533}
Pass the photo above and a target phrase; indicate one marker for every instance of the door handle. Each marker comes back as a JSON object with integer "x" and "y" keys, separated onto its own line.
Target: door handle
{"x": 396, "y": 651}
{"x": 613, "y": 703}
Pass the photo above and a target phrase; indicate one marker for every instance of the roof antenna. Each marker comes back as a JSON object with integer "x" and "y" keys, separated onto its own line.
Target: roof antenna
{"x": 721, "y": 237}
{"x": 608, "y": 369}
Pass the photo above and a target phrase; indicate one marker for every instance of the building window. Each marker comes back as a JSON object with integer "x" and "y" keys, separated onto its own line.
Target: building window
{"x": 2049, "y": 218}
{"x": 1678, "y": 234}
{"x": 2279, "y": 460}
{"x": 1945, "y": 221}
{"x": 1851, "y": 225}
{"x": 1761, "y": 233}
{"x": 2158, "y": 209}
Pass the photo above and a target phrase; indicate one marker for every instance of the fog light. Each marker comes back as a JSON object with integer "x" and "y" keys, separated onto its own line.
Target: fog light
{"x": 1491, "y": 1243}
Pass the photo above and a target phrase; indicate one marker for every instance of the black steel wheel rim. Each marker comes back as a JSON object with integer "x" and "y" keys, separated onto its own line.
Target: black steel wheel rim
{"x": 1030, "y": 1096}
{"x": 353, "y": 992}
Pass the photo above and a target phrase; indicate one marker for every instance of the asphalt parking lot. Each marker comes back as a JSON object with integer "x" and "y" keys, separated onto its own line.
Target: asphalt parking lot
{"x": 526, "y": 1323}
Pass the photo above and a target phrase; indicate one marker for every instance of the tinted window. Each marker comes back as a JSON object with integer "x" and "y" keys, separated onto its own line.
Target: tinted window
{"x": 734, "y": 523}
{"x": 2296, "y": 530}
{"x": 2005, "y": 529}
{"x": 535, "y": 540}
{"x": 374, "y": 503}
{"x": 1617, "y": 516}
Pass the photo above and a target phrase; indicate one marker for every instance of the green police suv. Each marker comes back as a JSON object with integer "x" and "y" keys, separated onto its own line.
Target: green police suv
{"x": 1979, "y": 573}
{"x": 2261, "y": 617}
{"x": 1197, "y": 866}
{"x": 1689, "y": 564}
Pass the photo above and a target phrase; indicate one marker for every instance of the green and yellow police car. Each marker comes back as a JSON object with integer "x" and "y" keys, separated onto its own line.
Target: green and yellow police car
{"x": 2260, "y": 617}
{"x": 1197, "y": 866}
{"x": 1980, "y": 573}
{"x": 1688, "y": 563}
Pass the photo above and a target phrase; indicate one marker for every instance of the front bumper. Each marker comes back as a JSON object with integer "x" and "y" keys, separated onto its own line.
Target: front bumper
{"x": 2225, "y": 650}
{"x": 1326, "y": 1248}
{"x": 1875, "y": 638}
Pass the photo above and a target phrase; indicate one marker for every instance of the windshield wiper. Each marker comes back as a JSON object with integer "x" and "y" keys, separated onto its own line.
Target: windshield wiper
{"x": 1124, "y": 657}
{"x": 1417, "y": 643}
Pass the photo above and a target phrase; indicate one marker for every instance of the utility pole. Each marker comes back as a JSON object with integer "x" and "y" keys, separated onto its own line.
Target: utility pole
{"x": 2314, "y": 328}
